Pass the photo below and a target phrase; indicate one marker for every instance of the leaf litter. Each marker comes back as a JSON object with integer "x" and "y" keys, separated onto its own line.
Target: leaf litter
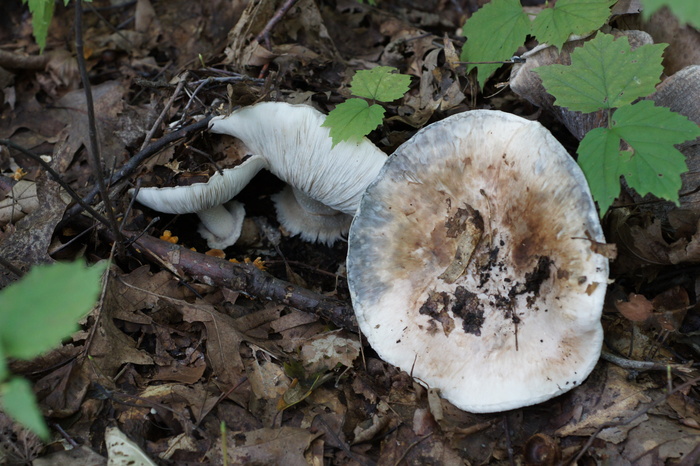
{"x": 171, "y": 353}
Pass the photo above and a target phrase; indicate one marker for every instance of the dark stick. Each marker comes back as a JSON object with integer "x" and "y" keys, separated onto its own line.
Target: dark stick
{"x": 129, "y": 167}
{"x": 92, "y": 129}
{"x": 264, "y": 35}
{"x": 54, "y": 174}
{"x": 249, "y": 280}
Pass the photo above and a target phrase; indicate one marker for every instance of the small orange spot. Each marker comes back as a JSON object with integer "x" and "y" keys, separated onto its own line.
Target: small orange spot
{"x": 19, "y": 174}
{"x": 168, "y": 236}
{"x": 216, "y": 253}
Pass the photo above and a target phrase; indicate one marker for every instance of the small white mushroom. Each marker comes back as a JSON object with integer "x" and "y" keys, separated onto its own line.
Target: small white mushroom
{"x": 327, "y": 182}
{"x": 221, "y": 224}
{"x": 472, "y": 263}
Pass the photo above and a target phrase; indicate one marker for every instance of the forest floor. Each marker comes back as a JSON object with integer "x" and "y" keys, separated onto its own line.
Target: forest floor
{"x": 182, "y": 344}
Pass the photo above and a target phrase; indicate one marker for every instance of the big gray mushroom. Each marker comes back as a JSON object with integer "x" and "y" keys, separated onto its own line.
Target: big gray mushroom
{"x": 326, "y": 182}
{"x": 472, "y": 263}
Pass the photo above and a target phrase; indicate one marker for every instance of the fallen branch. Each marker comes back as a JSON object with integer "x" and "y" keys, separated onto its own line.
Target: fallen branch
{"x": 247, "y": 279}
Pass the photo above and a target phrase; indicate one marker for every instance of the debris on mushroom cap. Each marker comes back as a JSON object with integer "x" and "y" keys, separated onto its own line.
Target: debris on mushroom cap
{"x": 300, "y": 152}
{"x": 472, "y": 263}
{"x": 221, "y": 226}
{"x": 313, "y": 221}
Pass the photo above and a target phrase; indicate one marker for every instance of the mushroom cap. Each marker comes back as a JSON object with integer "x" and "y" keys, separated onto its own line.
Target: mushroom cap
{"x": 220, "y": 188}
{"x": 471, "y": 263}
{"x": 300, "y": 152}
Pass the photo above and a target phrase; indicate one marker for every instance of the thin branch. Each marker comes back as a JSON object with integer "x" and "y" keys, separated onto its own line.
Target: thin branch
{"x": 92, "y": 128}
{"x": 161, "y": 117}
{"x": 129, "y": 167}
{"x": 22, "y": 62}
{"x": 247, "y": 279}
{"x": 57, "y": 178}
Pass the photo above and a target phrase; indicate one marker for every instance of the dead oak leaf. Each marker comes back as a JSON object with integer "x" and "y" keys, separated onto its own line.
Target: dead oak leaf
{"x": 285, "y": 445}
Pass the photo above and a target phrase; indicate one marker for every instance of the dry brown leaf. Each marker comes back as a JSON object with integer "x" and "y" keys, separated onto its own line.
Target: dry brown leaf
{"x": 637, "y": 308}
{"x": 324, "y": 352}
{"x": 658, "y": 440}
{"x": 285, "y": 445}
{"x": 607, "y": 396}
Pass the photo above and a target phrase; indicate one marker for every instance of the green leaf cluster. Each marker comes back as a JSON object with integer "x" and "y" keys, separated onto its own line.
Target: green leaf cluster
{"x": 355, "y": 118}
{"x": 687, "y": 11}
{"x": 496, "y": 30}
{"x": 605, "y": 74}
{"x": 37, "y": 312}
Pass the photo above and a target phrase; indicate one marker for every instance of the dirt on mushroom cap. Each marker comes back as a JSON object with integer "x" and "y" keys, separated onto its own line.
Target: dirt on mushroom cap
{"x": 522, "y": 323}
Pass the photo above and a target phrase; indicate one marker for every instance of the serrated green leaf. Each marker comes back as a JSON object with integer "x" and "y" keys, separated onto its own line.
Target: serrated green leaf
{"x": 555, "y": 25}
{"x": 45, "y": 306}
{"x": 687, "y": 11}
{"x": 17, "y": 400}
{"x": 42, "y": 12}
{"x": 604, "y": 73}
{"x": 651, "y": 131}
{"x": 353, "y": 119}
{"x": 380, "y": 83}
{"x": 654, "y": 166}
{"x": 494, "y": 33}
{"x": 602, "y": 162}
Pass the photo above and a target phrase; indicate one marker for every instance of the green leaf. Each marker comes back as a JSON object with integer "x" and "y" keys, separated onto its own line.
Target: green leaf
{"x": 353, "y": 119}
{"x": 380, "y": 83}
{"x": 653, "y": 166}
{"x": 42, "y": 12}
{"x": 4, "y": 372}
{"x": 687, "y": 11}
{"x": 555, "y": 25}
{"x": 604, "y": 73}
{"x": 602, "y": 162}
{"x": 45, "y": 305}
{"x": 17, "y": 400}
{"x": 494, "y": 33}
{"x": 651, "y": 131}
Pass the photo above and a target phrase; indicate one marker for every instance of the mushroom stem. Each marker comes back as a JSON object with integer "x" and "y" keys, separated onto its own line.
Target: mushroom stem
{"x": 312, "y": 220}
{"x": 221, "y": 225}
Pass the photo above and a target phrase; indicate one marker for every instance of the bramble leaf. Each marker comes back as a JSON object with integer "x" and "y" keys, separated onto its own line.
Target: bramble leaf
{"x": 17, "y": 400}
{"x": 656, "y": 166}
{"x": 42, "y": 12}
{"x": 687, "y": 11}
{"x": 380, "y": 83}
{"x": 555, "y": 25}
{"x": 353, "y": 119}
{"x": 494, "y": 33}
{"x": 604, "y": 73}
{"x": 602, "y": 162}
{"x": 45, "y": 306}
{"x": 652, "y": 166}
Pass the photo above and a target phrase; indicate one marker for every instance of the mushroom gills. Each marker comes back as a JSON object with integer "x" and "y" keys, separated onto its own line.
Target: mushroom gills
{"x": 312, "y": 220}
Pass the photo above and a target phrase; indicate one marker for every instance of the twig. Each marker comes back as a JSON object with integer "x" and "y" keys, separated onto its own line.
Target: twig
{"x": 654, "y": 404}
{"x": 92, "y": 128}
{"x": 249, "y": 280}
{"x": 129, "y": 167}
{"x": 57, "y": 178}
{"x": 642, "y": 365}
{"x": 22, "y": 62}
{"x": 11, "y": 267}
{"x": 264, "y": 35}
{"x": 161, "y": 117}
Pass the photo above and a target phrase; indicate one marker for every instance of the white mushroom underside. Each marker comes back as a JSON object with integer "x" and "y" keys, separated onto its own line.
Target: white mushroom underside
{"x": 523, "y": 323}
{"x": 299, "y": 151}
